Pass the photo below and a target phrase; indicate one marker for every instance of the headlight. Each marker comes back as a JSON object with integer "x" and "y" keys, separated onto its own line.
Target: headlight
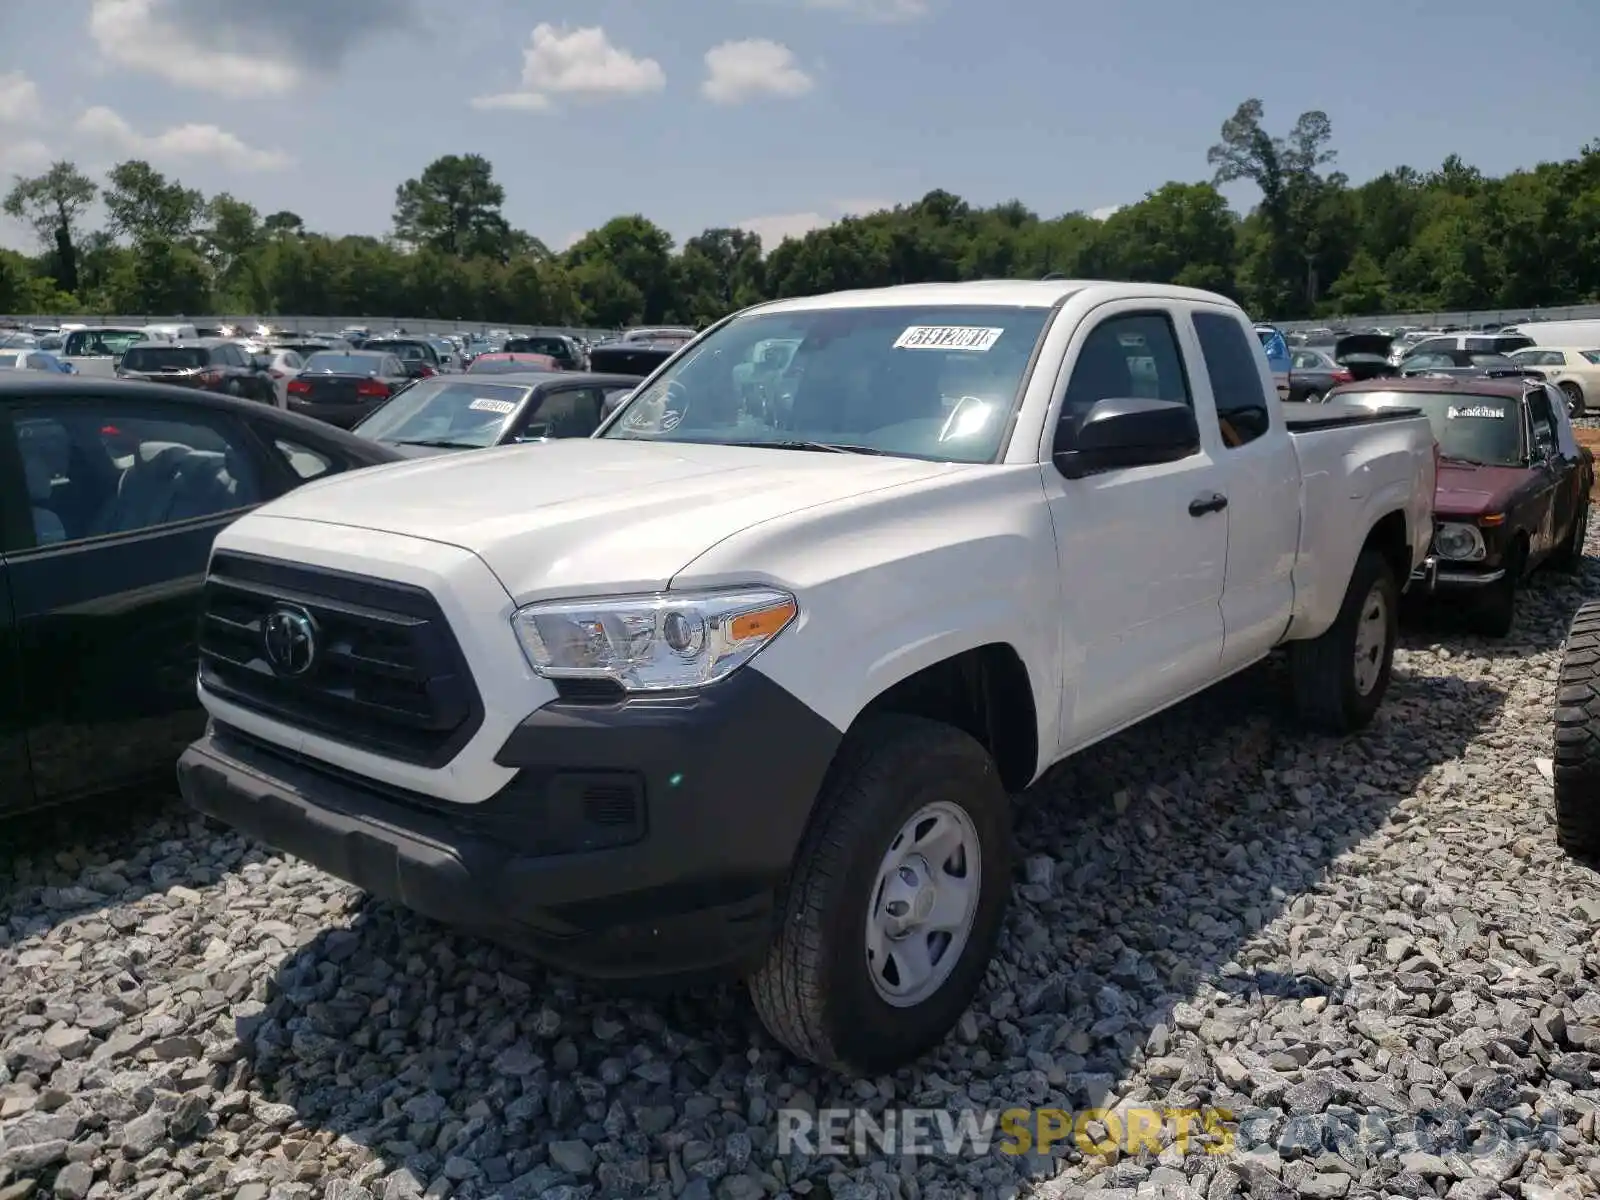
{"x": 1460, "y": 542}
{"x": 653, "y": 643}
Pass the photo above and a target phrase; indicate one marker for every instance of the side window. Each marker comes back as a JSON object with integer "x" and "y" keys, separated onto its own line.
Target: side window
{"x": 1483, "y": 345}
{"x": 1544, "y": 420}
{"x": 571, "y": 412}
{"x": 1128, "y": 356}
{"x": 1233, "y": 366}
{"x": 1306, "y": 361}
{"x": 1429, "y": 362}
{"x": 1433, "y": 345}
{"x": 305, "y": 462}
{"x": 292, "y": 361}
{"x": 94, "y": 469}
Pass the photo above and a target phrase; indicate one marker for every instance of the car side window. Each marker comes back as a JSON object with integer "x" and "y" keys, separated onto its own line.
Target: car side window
{"x": 1233, "y": 367}
{"x": 1135, "y": 355}
{"x": 1544, "y": 421}
{"x": 305, "y": 462}
{"x": 570, "y": 412}
{"x": 292, "y": 361}
{"x": 93, "y": 469}
{"x": 1305, "y": 361}
{"x": 1433, "y": 345}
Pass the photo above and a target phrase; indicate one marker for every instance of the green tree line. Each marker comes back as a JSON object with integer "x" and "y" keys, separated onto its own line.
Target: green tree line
{"x": 1313, "y": 244}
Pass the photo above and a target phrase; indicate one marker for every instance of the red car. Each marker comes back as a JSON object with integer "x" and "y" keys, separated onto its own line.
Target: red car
{"x": 1513, "y": 486}
{"x": 500, "y": 363}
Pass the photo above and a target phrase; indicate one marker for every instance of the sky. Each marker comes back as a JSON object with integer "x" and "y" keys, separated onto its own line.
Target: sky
{"x": 773, "y": 115}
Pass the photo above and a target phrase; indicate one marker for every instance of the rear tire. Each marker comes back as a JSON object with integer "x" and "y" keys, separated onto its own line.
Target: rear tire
{"x": 1575, "y": 405}
{"x": 822, "y": 990}
{"x": 1340, "y": 677}
{"x": 1577, "y": 737}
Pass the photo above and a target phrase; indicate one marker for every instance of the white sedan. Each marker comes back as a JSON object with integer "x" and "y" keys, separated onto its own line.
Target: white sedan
{"x": 282, "y": 365}
{"x": 1576, "y": 372}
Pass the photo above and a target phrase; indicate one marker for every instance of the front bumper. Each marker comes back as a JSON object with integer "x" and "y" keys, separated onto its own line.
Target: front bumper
{"x": 638, "y": 839}
{"x": 1432, "y": 577}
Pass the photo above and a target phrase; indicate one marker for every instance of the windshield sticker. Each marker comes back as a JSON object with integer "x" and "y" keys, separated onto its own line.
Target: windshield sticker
{"x": 669, "y": 420}
{"x": 948, "y": 337}
{"x": 1476, "y": 410}
{"x": 502, "y": 407}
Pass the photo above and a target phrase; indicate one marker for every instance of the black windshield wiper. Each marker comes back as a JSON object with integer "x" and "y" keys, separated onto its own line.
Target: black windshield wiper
{"x": 1462, "y": 462}
{"x": 440, "y": 443}
{"x": 828, "y": 447}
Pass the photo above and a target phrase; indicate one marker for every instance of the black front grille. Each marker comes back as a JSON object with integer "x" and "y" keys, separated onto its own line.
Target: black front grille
{"x": 388, "y": 675}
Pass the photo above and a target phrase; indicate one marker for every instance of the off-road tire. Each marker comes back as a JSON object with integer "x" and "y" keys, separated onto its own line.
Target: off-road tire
{"x": 1570, "y": 556}
{"x": 1577, "y": 737}
{"x": 1323, "y": 669}
{"x": 813, "y": 990}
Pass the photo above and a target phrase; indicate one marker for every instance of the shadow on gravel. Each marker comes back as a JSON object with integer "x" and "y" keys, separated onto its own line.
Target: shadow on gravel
{"x": 65, "y": 862}
{"x": 1146, "y": 865}
{"x": 1545, "y": 605}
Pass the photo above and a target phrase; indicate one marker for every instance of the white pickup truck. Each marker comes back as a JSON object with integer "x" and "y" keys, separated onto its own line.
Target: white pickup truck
{"x": 744, "y": 684}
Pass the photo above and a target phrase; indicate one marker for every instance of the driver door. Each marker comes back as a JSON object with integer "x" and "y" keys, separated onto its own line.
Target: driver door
{"x": 1142, "y": 563}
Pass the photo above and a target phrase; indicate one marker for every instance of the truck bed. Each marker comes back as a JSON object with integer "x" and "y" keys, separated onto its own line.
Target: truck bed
{"x": 1334, "y": 414}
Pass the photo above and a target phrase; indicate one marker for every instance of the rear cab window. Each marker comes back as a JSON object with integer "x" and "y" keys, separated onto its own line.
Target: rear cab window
{"x": 1232, "y": 365}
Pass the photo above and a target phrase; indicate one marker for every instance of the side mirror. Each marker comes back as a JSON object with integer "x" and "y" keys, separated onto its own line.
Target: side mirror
{"x": 1126, "y": 432}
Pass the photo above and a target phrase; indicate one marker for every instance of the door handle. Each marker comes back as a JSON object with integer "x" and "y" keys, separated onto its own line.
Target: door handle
{"x": 1201, "y": 505}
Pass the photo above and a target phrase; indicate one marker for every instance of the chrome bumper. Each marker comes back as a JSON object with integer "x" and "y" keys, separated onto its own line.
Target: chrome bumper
{"x": 1430, "y": 577}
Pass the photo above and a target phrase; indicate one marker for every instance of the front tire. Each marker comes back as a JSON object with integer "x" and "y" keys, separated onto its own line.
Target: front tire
{"x": 1577, "y": 739}
{"x": 1496, "y": 610}
{"x": 895, "y": 902}
{"x": 1570, "y": 557}
{"x": 1340, "y": 677}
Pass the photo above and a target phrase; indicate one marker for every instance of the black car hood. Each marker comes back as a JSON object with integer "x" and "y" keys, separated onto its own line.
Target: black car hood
{"x": 1362, "y": 343}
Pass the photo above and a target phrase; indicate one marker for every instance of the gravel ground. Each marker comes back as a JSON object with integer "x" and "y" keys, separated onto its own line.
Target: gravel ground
{"x": 1372, "y": 951}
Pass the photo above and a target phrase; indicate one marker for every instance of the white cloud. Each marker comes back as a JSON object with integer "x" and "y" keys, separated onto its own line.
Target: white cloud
{"x": 580, "y": 63}
{"x": 887, "y": 11}
{"x": 19, "y": 99}
{"x": 24, "y": 156}
{"x": 1100, "y": 214}
{"x": 740, "y": 71}
{"x": 139, "y": 34}
{"x": 181, "y": 141}
{"x": 774, "y": 229}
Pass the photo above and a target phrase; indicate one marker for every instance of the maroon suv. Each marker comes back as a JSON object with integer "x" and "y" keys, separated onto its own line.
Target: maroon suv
{"x": 1513, "y": 486}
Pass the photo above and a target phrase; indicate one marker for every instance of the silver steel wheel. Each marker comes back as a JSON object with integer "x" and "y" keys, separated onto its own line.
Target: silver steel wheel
{"x": 1372, "y": 637}
{"x": 923, "y": 903}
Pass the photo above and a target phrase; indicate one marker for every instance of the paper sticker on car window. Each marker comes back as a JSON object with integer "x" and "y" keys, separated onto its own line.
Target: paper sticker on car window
{"x": 947, "y": 337}
{"x": 1476, "y": 410}
{"x": 495, "y": 406}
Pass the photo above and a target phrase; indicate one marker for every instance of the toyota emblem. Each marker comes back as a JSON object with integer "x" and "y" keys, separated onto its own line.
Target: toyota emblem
{"x": 289, "y": 637}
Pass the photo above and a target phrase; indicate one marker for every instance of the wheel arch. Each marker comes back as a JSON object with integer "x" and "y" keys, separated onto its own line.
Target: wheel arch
{"x": 985, "y": 691}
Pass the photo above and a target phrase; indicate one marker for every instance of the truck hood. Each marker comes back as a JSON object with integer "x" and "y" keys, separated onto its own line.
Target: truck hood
{"x": 1464, "y": 491}
{"x": 584, "y": 516}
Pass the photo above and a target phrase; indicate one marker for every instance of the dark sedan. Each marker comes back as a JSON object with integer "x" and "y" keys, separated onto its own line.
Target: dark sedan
{"x": 462, "y": 413}
{"x": 1454, "y": 362}
{"x": 631, "y": 358}
{"x": 1315, "y": 370}
{"x": 421, "y": 358}
{"x": 207, "y": 364}
{"x": 111, "y": 495}
{"x": 342, "y": 387}
{"x": 1513, "y": 485}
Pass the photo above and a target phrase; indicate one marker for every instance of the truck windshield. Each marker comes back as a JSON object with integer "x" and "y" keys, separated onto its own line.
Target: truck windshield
{"x": 1477, "y": 429}
{"x": 925, "y": 382}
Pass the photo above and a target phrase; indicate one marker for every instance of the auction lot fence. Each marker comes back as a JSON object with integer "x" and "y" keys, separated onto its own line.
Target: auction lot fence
{"x": 300, "y": 324}
{"x": 1432, "y": 320}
